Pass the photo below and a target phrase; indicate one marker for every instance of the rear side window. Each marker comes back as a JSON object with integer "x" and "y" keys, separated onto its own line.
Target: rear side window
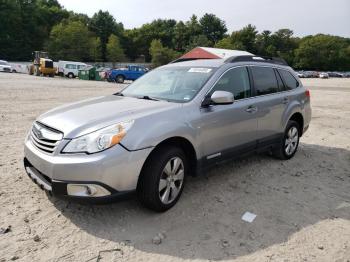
{"x": 280, "y": 82}
{"x": 235, "y": 81}
{"x": 265, "y": 81}
{"x": 289, "y": 79}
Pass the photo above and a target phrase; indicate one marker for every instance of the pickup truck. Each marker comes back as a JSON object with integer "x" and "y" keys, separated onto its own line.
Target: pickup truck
{"x": 129, "y": 73}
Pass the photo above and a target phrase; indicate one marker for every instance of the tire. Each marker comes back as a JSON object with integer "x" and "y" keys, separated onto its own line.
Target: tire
{"x": 156, "y": 189}
{"x": 14, "y": 71}
{"x": 119, "y": 79}
{"x": 290, "y": 142}
{"x": 70, "y": 75}
{"x": 36, "y": 71}
{"x": 52, "y": 75}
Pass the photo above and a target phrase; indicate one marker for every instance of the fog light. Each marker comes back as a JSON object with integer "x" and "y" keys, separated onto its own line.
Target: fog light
{"x": 87, "y": 190}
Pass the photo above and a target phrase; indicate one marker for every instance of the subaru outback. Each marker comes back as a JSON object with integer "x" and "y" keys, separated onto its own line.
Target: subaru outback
{"x": 173, "y": 122}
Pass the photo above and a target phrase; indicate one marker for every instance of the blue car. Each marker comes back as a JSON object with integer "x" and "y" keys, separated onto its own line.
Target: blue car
{"x": 129, "y": 73}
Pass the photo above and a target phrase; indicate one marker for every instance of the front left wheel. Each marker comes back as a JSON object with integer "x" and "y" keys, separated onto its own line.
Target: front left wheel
{"x": 163, "y": 178}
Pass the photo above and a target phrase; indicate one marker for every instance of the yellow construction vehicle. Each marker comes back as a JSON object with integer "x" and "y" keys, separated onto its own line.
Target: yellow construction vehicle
{"x": 42, "y": 65}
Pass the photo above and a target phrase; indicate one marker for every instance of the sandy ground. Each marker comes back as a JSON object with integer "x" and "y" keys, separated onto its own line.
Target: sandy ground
{"x": 302, "y": 205}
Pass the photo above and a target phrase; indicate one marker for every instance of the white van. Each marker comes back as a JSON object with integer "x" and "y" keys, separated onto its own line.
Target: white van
{"x": 69, "y": 68}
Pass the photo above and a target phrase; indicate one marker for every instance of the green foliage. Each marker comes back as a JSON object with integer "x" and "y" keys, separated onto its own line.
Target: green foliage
{"x": 142, "y": 37}
{"x": 95, "y": 49}
{"x": 213, "y": 28}
{"x": 29, "y": 25}
{"x": 161, "y": 55}
{"x": 244, "y": 39}
{"x": 103, "y": 25}
{"x": 198, "y": 40}
{"x": 225, "y": 43}
{"x": 70, "y": 40}
{"x": 115, "y": 52}
{"x": 323, "y": 52}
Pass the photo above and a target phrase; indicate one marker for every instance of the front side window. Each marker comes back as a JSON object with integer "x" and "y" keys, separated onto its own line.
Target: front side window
{"x": 175, "y": 84}
{"x": 70, "y": 66}
{"x": 289, "y": 79}
{"x": 265, "y": 81}
{"x": 235, "y": 81}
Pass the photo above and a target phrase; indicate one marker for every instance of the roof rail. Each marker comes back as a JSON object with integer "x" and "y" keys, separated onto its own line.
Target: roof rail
{"x": 253, "y": 58}
{"x": 187, "y": 59}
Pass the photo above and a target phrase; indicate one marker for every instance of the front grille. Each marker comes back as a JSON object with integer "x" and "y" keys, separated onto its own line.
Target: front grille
{"x": 45, "y": 138}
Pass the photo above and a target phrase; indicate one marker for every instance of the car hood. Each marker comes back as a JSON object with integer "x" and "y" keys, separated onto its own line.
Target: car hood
{"x": 86, "y": 116}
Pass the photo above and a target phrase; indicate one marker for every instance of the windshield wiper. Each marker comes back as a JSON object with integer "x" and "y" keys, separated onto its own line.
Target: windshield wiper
{"x": 118, "y": 94}
{"x": 148, "y": 98}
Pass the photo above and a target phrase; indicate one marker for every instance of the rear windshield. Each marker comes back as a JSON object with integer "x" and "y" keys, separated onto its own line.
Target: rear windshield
{"x": 175, "y": 84}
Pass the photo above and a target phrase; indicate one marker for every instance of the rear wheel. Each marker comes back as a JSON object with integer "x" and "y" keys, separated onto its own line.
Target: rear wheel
{"x": 163, "y": 178}
{"x": 70, "y": 75}
{"x": 290, "y": 142}
{"x": 120, "y": 79}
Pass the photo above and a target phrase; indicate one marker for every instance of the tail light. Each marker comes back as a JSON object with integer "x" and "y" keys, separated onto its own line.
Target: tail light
{"x": 307, "y": 93}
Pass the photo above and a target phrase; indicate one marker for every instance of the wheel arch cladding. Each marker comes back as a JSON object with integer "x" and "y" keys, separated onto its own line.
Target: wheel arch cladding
{"x": 298, "y": 117}
{"x": 182, "y": 143}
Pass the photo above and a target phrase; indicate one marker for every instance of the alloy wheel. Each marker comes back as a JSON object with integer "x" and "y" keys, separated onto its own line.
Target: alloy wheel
{"x": 171, "y": 180}
{"x": 291, "y": 141}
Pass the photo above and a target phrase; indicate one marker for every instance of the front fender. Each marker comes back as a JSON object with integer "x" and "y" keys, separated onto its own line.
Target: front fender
{"x": 153, "y": 129}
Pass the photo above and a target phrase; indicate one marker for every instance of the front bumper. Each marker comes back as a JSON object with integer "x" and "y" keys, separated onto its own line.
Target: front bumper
{"x": 115, "y": 170}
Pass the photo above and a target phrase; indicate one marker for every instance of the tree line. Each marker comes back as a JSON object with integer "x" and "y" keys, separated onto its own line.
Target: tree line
{"x": 28, "y": 25}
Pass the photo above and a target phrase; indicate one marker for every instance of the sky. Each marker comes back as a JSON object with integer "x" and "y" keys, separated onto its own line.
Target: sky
{"x": 304, "y": 17}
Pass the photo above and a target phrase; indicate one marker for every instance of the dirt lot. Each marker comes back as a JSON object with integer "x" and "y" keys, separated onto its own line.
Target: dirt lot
{"x": 302, "y": 205}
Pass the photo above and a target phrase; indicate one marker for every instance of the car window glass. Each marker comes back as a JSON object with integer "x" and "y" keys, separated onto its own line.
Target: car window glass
{"x": 289, "y": 79}
{"x": 235, "y": 81}
{"x": 178, "y": 84}
{"x": 265, "y": 81}
{"x": 281, "y": 86}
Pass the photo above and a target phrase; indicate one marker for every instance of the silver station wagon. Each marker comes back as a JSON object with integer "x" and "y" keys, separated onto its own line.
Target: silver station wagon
{"x": 173, "y": 122}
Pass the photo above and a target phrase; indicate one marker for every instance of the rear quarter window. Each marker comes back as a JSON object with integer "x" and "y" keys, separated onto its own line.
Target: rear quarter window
{"x": 289, "y": 80}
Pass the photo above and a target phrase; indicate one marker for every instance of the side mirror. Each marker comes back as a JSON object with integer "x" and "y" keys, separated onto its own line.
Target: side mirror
{"x": 219, "y": 98}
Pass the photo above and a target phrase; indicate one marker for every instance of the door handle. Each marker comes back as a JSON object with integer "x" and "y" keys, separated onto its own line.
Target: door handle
{"x": 285, "y": 100}
{"x": 251, "y": 109}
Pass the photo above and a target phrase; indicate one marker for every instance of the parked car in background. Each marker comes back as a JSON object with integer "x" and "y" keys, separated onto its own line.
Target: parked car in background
{"x": 128, "y": 73}
{"x": 301, "y": 74}
{"x": 174, "y": 122}
{"x": 5, "y": 66}
{"x": 335, "y": 74}
{"x": 69, "y": 68}
{"x": 323, "y": 75}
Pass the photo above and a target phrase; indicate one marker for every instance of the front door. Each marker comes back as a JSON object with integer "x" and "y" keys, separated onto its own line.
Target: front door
{"x": 226, "y": 129}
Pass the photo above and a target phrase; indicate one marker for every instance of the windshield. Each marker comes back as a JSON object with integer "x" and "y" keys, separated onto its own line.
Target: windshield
{"x": 3, "y": 63}
{"x": 175, "y": 84}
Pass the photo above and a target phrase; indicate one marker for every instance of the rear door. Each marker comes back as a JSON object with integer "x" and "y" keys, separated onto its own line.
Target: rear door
{"x": 270, "y": 102}
{"x": 229, "y": 129}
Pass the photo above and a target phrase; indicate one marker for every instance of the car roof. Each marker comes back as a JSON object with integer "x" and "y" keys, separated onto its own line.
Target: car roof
{"x": 216, "y": 63}
{"x": 198, "y": 62}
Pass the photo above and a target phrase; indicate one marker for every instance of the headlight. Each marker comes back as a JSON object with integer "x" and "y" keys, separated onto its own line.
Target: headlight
{"x": 99, "y": 140}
